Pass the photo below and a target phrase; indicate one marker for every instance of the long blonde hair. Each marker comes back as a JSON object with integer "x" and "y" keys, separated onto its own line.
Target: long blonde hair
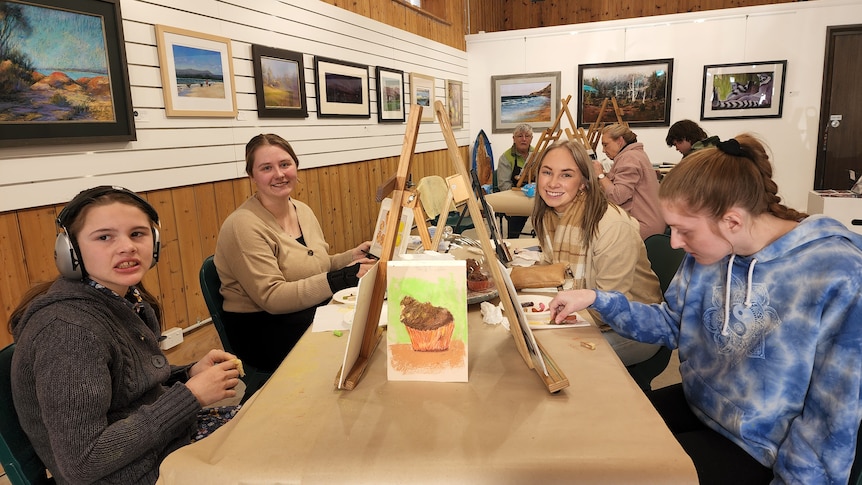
{"x": 595, "y": 203}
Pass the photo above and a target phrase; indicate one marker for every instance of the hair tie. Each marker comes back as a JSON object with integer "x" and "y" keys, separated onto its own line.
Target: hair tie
{"x": 731, "y": 147}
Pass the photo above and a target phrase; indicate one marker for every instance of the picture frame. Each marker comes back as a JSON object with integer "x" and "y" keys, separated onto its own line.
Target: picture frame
{"x": 422, "y": 93}
{"x": 646, "y": 83}
{"x": 455, "y": 103}
{"x": 743, "y": 90}
{"x": 342, "y": 88}
{"x": 99, "y": 108}
{"x": 390, "y": 94}
{"x": 524, "y": 98}
{"x": 197, "y": 73}
{"x": 279, "y": 82}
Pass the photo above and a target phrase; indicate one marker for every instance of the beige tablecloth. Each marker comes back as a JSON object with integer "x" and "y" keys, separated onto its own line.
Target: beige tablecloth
{"x": 503, "y": 426}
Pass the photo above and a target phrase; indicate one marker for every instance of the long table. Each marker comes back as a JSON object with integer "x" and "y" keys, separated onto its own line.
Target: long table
{"x": 502, "y": 426}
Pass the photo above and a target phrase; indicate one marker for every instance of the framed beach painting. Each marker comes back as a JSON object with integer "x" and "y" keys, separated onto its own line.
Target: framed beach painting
{"x": 63, "y": 74}
{"x": 422, "y": 93}
{"x": 642, "y": 90}
{"x": 390, "y": 94}
{"x": 525, "y": 98}
{"x": 426, "y": 335}
{"x": 197, "y": 73}
{"x": 455, "y": 103}
{"x": 279, "y": 82}
{"x": 342, "y": 88}
{"x": 743, "y": 90}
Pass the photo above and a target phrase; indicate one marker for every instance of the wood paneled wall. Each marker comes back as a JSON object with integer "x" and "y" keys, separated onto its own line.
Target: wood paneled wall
{"x": 341, "y": 196}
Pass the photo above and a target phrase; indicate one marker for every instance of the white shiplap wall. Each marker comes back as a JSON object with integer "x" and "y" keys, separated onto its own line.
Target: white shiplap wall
{"x": 172, "y": 152}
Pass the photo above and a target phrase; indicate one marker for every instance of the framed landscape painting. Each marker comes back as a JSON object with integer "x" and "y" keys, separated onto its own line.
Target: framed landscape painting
{"x": 642, "y": 90}
{"x": 390, "y": 94}
{"x": 279, "y": 81}
{"x": 525, "y": 98}
{"x": 422, "y": 93}
{"x": 197, "y": 73}
{"x": 744, "y": 90}
{"x": 455, "y": 103}
{"x": 63, "y": 77}
{"x": 342, "y": 88}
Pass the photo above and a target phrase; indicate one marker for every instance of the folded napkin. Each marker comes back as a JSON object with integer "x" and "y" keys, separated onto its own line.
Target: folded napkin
{"x": 526, "y": 257}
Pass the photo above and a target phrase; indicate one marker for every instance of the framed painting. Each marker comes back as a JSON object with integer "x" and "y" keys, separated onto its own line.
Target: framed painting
{"x": 390, "y": 94}
{"x": 642, "y": 90}
{"x": 422, "y": 93}
{"x": 744, "y": 90}
{"x": 53, "y": 91}
{"x": 197, "y": 73}
{"x": 455, "y": 103}
{"x": 279, "y": 82}
{"x": 342, "y": 88}
{"x": 524, "y": 98}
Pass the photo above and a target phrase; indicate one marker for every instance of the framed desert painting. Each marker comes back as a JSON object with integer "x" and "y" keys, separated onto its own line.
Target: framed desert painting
{"x": 279, "y": 81}
{"x": 55, "y": 92}
{"x": 197, "y": 73}
{"x": 525, "y": 98}
{"x": 342, "y": 88}
{"x": 642, "y": 90}
{"x": 743, "y": 90}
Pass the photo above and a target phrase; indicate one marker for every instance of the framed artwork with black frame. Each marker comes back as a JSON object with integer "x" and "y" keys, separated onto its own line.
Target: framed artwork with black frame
{"x": 55, "y": 92}
{"x": 197, "y": 73}
{"x": 279, "y": 82}
{"x": 390, "y": 94}
{"x": 642, "y": 90}
{"x": 532, "y": 98}
{"x": 743, "y": 90}
{"x": 342, "y": 88}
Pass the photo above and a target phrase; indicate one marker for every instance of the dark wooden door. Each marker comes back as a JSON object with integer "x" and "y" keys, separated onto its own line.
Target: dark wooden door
{"x": 840, "y": 145}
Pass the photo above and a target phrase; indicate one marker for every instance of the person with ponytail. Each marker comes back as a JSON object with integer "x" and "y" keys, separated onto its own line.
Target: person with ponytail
{"x": 273, "y": 261}
{"x": 92, "y": 389}
{"x": 766, "y": 314}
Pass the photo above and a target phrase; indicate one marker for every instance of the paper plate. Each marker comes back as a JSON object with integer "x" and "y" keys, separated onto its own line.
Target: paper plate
{"x": 346, "y": 296}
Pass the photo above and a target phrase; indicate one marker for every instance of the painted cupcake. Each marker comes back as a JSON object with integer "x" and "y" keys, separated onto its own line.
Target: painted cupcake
{"x": 430, "y": 327}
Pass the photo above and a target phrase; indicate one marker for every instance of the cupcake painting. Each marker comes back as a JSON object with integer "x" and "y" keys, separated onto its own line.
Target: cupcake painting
{"x": 427, "y": 327}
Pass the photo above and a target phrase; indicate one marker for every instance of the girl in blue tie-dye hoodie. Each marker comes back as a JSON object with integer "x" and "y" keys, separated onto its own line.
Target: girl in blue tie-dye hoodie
{"x": 766, "y": 312}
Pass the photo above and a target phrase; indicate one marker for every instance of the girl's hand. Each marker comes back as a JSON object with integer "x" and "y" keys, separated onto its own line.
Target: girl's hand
{"x": 215, "y": 382}
{"x": 361, "y": 252}
{"x": 568, "y": 302}
{"x": 212, "y": 358}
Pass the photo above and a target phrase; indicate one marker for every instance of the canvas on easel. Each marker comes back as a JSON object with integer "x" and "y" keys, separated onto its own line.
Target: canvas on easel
{"x": 380, "y": 228}
{"x": 357, "y": 329}
{"x": 426, "y": 334}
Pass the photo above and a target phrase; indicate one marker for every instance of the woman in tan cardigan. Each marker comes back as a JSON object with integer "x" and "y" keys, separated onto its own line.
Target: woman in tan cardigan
{"x": 576, "y": 223}
{"x": 273, "y": 261}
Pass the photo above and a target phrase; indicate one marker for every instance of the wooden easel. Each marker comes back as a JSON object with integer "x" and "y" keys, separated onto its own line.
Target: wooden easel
{"x": 549, "y": 136}
{"x": 555, "y": 380}
{"x": 594, "y": 133}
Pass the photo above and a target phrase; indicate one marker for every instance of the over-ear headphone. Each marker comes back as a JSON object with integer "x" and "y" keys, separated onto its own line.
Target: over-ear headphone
{"x": 66, "y": 256}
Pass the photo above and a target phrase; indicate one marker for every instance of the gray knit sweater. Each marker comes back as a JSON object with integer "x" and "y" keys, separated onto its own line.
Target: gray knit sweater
{"x": 93, "y": 390}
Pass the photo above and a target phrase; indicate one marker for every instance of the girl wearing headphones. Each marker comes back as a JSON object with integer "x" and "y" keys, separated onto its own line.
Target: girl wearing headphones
{"x": 93, "y": 390}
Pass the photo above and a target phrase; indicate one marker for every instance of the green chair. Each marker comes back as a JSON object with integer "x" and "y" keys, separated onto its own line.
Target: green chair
{"x": 19, "y": 459}
{"x": 664, "y": 260}
{"x": 210, "y": 284}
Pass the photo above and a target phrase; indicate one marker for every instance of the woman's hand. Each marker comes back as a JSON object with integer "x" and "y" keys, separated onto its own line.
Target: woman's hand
{"x": 214, "y": 377}
{"x": 361, "y": 252}
{"x": 568, "y": 302}
{"x": 598, "y": 167}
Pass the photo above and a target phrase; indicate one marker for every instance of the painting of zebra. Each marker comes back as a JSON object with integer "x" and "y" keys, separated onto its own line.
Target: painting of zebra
{"x": 749, "y": 90}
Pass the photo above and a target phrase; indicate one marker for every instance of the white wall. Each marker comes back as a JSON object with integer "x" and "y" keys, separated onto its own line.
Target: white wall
{"x": 792, "y": 31}
{"x": 171, "y": 152}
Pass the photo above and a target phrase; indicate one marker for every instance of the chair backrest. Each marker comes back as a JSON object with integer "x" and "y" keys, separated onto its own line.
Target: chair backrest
{"x": 210, "y": 285}
{"x": 17, "y": 455}
{"x": 664, "y": 259}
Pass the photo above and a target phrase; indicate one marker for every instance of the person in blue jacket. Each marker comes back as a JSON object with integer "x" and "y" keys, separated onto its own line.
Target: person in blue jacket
{"x": 765, "y": 310}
